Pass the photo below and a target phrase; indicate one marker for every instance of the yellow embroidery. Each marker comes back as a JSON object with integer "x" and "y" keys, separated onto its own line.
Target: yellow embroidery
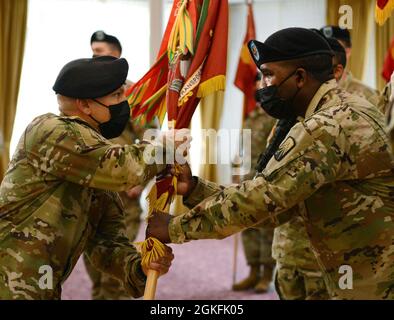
{"x": 284, "y": 148}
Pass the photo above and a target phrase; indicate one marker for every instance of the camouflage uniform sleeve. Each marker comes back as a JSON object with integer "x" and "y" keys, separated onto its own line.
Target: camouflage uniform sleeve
{"x": 203, "y": 190}
{"x": 303, "y": 169}
{"x": 74, "y": 152}
{"x": 110, "y": 251}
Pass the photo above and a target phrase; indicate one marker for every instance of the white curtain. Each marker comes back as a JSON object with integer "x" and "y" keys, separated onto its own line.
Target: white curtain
{"x": 59, "y": 31}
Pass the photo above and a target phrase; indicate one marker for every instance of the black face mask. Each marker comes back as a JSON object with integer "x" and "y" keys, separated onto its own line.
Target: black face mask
{"x": 273, "y": 105}
{"x": 120, "y": 115}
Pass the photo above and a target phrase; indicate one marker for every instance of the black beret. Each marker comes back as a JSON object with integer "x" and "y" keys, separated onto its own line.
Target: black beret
{"x": 101, "y": 36}
{"x": 337, "y": 33}
{"x": 91, "y": 77}
{"x": 288, "y": 44}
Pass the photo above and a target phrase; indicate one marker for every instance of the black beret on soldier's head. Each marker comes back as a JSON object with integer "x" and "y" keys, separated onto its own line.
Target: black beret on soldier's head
{"x": 101, "y": 36}
{"x": 91, "y": 77}
{"x": 288, "y": 44}
{"x": 337, "y": 33}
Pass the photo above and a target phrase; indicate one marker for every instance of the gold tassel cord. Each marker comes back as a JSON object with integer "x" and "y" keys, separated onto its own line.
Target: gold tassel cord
{"x": 151, "y": 250}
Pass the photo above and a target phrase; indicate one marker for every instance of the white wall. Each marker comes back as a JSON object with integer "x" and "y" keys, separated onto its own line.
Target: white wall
{"x": 59, "y": 31}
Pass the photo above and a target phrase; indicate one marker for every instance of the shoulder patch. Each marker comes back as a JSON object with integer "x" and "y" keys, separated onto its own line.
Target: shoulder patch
{"x": 284, "y": 148}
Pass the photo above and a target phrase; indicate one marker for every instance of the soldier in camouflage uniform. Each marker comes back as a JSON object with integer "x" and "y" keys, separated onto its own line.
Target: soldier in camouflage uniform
{"x": 103, "y": 285}
{"x": 59, "y": 195}
{"x": 335, "y": 162}
{"x": 348, "y": 82}
{"x": 386, "y": 103}
{"x": 257, "y": 241}
{"x": 354, "y": 86}
{"x": 298, "y": 275}
{"x": 390, "y": 123}
{"x": 385, "y": 99}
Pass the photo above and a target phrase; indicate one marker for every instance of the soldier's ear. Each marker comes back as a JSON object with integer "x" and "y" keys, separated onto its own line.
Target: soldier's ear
{"x": 83, "y": 106}
{"x": 301, "y": 77}
{"x": 338, "y": 72}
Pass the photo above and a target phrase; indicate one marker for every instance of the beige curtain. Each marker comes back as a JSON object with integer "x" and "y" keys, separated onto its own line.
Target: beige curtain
{"x": 360, "y": 32}
{"x": 211, "y": 111}
{"x": 13, "y": 18}
{"x": 383, "y": 37}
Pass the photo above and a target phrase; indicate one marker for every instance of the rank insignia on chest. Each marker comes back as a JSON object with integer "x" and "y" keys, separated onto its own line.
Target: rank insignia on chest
{"x": 284, "y": 148}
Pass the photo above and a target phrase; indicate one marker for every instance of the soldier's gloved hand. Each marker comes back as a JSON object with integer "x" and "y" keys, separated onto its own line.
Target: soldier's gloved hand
{"x": 163, "y": 264}
{"x": 158, "y": 226}
{"x": 186, "y": 183}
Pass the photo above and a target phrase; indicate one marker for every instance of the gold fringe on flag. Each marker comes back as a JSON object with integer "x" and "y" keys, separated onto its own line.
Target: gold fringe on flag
{"x": 211, "y": 85}
{"x": 382, "y": 14}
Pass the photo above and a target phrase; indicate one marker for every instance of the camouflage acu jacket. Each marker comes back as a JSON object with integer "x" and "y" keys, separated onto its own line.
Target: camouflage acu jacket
{"x": 354, "y": 86}
{"x": 52, "y": 207}
{"x": 337, "y": 161}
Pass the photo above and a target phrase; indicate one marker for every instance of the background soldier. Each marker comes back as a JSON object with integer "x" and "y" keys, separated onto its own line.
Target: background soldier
{"x": 348, "y": 82}
{"x": 386, "y": 104}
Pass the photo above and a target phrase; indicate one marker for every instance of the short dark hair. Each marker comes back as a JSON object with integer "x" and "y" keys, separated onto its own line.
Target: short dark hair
{"x": 101, "y": 36}
{"x": 340, "y": 58}
{"x": 339, "y": 51}
{"x": 319, "y": 66}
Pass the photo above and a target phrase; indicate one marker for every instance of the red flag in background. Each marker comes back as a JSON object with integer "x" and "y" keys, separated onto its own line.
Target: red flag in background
{"x": 388, "y": 65}
{"x": 246, "y": 71}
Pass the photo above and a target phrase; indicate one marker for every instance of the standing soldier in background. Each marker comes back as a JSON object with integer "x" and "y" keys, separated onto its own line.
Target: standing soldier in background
{"x": 386, "y": 104}
{"x": 103, "y": 285}
{"x": 348, "y": 82}
{"x": 257, "y": 241}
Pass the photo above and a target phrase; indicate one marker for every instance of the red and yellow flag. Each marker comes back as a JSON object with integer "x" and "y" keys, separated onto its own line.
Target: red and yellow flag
{"x": 246, "y": 71}
{"x": 191, "y": 63}
{"x": 383, "y": 10}
{"x": 388, "y": 65}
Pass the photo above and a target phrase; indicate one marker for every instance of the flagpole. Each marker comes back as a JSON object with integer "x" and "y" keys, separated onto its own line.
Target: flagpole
{"x": 235, "y": 258}
{"x": 236, "y": 179}
{"x": 151, "y": 284}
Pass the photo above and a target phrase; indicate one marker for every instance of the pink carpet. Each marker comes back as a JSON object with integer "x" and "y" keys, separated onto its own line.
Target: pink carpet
{"x": 201, "y": 270}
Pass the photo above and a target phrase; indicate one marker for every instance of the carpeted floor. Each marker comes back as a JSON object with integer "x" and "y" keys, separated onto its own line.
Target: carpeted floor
{"x": 201, "y": 270}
